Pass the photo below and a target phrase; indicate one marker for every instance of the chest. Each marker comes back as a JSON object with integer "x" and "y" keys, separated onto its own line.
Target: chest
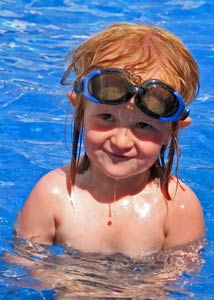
{"x": 131, "y": 226}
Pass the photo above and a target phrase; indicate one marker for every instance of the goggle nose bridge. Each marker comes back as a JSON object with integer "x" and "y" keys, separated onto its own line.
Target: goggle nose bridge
{"x": 138, "y": 90}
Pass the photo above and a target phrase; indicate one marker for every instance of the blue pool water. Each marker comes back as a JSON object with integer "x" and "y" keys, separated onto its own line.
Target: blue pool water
{"x": 35, "y": 36}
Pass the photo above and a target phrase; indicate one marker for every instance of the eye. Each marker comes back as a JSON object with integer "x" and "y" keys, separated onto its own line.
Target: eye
{"x": 106, "y": 117}
{"x": 142, "y": 125}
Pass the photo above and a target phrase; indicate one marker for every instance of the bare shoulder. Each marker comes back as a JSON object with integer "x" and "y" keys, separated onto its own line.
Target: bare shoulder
{"x": 37, "y": 219}
{"x": 52, "y": 185}
{"x": 185, "y": 221}
{"x": 55, "y": 175}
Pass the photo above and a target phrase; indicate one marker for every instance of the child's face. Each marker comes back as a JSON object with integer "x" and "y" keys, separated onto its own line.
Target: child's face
{"x": 122, "y": 141}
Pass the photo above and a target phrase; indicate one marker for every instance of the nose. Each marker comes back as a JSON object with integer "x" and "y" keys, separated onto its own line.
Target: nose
{"x": 122, "y": 139}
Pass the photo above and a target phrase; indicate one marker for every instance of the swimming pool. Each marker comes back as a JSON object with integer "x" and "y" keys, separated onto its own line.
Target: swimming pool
{"x": 35, "y": 35}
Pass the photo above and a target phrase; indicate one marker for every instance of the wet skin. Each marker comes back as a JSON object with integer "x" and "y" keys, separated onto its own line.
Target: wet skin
{"x": 122, "y": 144}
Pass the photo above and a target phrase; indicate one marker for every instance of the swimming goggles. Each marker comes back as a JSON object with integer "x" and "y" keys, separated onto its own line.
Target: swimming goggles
{"x": 153, "y": 97}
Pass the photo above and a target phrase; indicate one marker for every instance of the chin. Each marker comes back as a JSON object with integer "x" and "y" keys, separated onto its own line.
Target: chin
{"x": 119, "y": 175}
{"x": 121, "y": 170}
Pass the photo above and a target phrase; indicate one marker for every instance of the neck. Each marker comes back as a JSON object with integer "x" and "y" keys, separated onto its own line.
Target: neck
{"x": 108, "y": 190}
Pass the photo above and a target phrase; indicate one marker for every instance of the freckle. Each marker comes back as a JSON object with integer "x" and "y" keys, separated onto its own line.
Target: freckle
{"x": 109, "y": 223}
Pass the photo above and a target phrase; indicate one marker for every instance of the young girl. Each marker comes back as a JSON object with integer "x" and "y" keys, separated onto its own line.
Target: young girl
{"x": 133, "y": 82}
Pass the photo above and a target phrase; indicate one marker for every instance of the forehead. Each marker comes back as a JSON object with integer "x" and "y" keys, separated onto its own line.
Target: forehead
{"x": 127, "y": 111}
{"x": 117, "y": 108}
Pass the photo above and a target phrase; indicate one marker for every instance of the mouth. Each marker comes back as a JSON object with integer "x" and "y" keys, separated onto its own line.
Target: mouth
{"x": 118, "y": 156}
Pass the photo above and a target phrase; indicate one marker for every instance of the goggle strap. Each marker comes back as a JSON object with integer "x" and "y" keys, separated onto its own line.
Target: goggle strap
{"x": 77, "y": 86}
{"x": 184, "y": 114}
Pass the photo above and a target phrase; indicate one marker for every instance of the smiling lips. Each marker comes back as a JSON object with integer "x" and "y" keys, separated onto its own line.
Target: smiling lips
{"x": 118, "y": 156}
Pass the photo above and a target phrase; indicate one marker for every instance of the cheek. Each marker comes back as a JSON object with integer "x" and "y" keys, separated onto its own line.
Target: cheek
{"x": 150, "y": 147}
{"x": 93, "y": 139}
{"x": 163, "y": 137}
{"x": 156, "y": 138}
{"x": 89, "y": 140}
{"x": 150, "y": 150}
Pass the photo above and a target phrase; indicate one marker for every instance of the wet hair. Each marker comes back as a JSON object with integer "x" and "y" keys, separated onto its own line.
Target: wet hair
{"x": 139, "y": 49}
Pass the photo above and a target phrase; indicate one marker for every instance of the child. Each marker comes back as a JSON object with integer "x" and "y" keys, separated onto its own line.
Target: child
{"x": 133, "y": 82}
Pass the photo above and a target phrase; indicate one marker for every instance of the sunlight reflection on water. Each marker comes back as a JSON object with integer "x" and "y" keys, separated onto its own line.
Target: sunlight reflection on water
{"x": 71, "y": 272}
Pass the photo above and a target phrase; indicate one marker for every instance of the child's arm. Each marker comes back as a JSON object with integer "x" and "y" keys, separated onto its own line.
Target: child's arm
{"x": 37, "y": 219}
{"x": 185, "y": 222}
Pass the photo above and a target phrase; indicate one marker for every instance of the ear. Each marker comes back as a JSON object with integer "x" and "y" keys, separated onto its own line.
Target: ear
{"x": 185, "y": 123}
{"x": 72, "y": 97}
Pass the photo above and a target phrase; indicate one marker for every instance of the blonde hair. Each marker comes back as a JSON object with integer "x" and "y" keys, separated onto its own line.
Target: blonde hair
{"x": 139, "y": 49}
